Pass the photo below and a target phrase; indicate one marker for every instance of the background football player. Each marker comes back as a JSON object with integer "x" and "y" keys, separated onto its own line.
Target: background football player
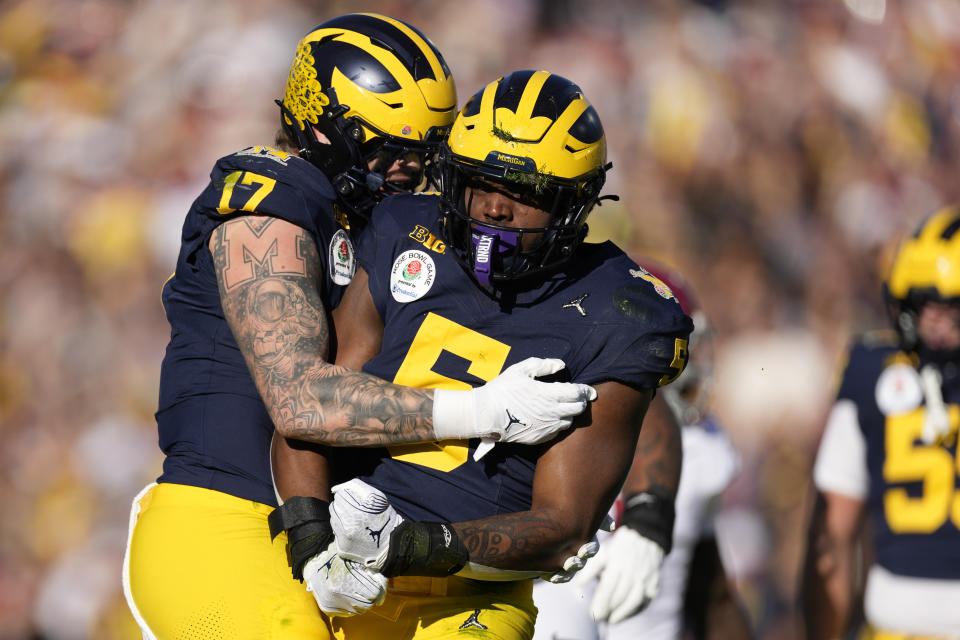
{"x": 625, "y": 592}
{"x": 888, "y": 457}
{"x": 510, "y": 277}
{"x": 266, "y": 249}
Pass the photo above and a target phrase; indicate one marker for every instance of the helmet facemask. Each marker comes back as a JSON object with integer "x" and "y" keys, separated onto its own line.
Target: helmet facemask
{"x": 357, "y": 157}
{"x": 905, "y": 315}
{"x": 498, "y": 254}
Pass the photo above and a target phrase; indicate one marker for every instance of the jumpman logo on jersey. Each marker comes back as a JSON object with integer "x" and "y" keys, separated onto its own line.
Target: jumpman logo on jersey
{"x": 513, "y": 421}
{"x": 472, "y": 621}
{"x": 575, "y": 304}
{"x": 376, "y": 534}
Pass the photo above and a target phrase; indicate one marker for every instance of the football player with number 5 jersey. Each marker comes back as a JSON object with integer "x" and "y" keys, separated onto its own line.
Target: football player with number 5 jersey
{"x": 458, "y": 287}
{"x": 266, "y": 250}
{"x": 889, "y": 453}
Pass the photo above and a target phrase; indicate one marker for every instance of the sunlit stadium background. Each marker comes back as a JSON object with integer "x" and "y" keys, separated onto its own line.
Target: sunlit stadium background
{"x": 773, "y": 151}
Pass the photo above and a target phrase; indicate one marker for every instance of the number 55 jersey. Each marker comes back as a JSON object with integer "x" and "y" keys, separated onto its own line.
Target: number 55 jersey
{"x": 873, "y": 450}
{"x": 605, "y": 317}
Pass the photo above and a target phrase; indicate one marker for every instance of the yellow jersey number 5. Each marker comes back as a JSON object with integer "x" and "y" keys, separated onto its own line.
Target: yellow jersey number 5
{"x": 934, "y": 466}
{"x": 436, "y": 335}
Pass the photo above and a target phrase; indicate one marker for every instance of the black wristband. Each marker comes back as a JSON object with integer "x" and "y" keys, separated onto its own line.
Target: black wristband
{"x": 651, "y": 514}
{"x": 424, "y": 549}
{"x": 307, "y": 523}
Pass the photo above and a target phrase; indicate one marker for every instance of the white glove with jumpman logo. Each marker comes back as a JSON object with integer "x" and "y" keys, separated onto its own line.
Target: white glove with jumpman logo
{"x": 342, "y": 587}
{"x": 513, "y": 407}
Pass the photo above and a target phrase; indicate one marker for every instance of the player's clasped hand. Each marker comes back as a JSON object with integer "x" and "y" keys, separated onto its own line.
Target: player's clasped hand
{"x": 342, "y": 587}
{"x": 514, "y": 406}
{"x": 362, "y": 520}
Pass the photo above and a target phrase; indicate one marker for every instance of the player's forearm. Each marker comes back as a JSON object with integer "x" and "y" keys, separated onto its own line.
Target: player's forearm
{"x": 337, "y": 406}
{"x": 299, "y": 469}
{"x": 528, "y": 540}
{"x": 268, "y": 272}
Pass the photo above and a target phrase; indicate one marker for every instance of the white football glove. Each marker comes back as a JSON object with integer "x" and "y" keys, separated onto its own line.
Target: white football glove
{"x": 628, "y": 566}
{"x": 513, "y": 407}
{"x": 342, "y": 587}
{"x": 362, "y": 519}
{"x": 573, "y": 564}
{"x": 936, "y": 420}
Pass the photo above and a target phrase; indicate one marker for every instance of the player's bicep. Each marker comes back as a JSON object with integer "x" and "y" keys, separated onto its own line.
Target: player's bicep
{"x": 358, "y": 324}
{"x": 269, "y": 273}
{"x": 580, "y": 475}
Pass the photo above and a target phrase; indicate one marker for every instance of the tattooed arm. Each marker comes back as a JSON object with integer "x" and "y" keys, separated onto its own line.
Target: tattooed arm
{"x": 300, "y": 469}
{"x": 268, "y": 271}
{"x": 575, "y": 483}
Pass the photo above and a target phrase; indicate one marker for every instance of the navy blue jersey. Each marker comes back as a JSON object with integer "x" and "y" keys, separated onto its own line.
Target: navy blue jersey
{"x": 913, "y": 502}
{"x": 608, "y": 319}
{"x": 214, "y": 428}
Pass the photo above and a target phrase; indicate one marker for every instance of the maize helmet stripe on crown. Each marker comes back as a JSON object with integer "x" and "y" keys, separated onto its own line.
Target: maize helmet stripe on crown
{"x": 537, "y": 133}
{"x": 535, "y": 116}
{"x": 412, "y": 88}
{"x": 928, "y": 262}
{"x": 405, "y": 41}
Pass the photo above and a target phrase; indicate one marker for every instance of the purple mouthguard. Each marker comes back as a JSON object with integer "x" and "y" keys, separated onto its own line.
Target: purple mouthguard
{"x": 487, "y": 242}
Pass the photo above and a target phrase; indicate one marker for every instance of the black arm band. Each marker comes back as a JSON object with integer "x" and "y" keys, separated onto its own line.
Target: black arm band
{"x": 424, "y": 549}
{"x": 307, "y": 523}
{"x": 651, "y": 514}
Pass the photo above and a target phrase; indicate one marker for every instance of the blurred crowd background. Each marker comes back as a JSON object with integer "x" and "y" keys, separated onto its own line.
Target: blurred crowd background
{"x": 772, "y": 151}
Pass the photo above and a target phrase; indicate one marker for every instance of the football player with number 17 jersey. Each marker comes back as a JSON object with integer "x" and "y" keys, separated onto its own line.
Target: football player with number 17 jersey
{"x": 889, "y": 452}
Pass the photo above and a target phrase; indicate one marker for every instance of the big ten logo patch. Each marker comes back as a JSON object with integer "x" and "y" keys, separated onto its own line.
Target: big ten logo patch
{"x": 425, "y": 237}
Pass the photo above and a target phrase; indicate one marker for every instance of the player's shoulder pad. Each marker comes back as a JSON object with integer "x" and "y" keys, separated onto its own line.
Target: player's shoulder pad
{"x": 402, "y": 212}
{"x": 266, "y": 180}
{"x": 643, "y": 329}
{"x": 636, "y": 295}
{"x": 875, "y": 347}
{"x": 866, "y": 357}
